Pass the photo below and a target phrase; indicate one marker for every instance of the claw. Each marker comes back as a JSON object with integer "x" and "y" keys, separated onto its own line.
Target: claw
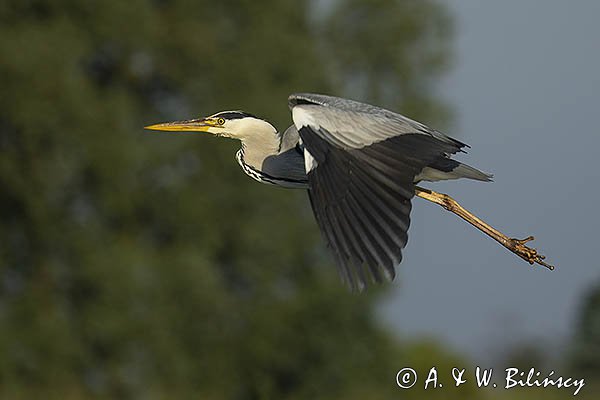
{"x": 527, "y": 239}
{"x": 527, "y": 253}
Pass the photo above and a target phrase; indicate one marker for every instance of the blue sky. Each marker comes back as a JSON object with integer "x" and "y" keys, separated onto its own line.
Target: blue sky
{"x": 525, "y": 88}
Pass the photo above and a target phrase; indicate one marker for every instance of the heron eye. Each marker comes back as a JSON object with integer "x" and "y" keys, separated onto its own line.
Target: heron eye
{"x": 220, "y": 121}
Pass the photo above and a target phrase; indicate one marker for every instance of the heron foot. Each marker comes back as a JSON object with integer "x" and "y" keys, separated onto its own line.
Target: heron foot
{"x": 527, "y": 253}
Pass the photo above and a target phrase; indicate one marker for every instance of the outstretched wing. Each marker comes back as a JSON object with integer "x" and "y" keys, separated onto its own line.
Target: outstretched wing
{"x": 361, "y": 162}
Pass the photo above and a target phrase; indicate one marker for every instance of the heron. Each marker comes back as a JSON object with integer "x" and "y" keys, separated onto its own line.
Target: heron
{"x": 361, "y": 166}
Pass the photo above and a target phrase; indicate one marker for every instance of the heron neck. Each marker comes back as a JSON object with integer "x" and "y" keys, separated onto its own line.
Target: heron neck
{"x": 257, "y": 148}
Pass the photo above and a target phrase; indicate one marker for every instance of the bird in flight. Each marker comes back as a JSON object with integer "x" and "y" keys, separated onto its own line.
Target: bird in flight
{"x": 361, "y": 165}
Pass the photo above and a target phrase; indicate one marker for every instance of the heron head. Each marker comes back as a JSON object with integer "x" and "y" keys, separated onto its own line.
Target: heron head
{"x": 233, "y": 124}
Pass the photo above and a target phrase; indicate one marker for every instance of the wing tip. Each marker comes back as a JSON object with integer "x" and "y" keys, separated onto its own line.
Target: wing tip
{"x": 358, "y": 281}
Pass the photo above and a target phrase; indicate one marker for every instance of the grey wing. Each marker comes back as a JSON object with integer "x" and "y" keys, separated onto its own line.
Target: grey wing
{"x": 361, "y": 162}
{"x": 351, "y": 124}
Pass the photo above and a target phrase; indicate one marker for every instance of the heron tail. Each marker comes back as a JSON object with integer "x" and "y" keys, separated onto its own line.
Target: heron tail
{"x": 446, "y": 168}
{"x": 466, "y": 171}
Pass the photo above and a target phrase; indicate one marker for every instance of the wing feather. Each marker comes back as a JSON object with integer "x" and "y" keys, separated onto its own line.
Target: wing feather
{"x": 361, "y": 179}
{"x": 350, "y": 124}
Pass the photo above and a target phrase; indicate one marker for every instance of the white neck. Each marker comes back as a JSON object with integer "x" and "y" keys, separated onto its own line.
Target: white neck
{"x": 259, "y": 140}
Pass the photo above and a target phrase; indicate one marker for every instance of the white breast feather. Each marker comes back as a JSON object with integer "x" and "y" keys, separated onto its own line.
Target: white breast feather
{"x": 309, "y": 161}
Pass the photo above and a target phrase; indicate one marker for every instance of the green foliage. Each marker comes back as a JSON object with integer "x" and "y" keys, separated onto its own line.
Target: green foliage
{"x": 136, "y": 265}
{"x": 402, "y": 45}
{"x": 586, "y": 348}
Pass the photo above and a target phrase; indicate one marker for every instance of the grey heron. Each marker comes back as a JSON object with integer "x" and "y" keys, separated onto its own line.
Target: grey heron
{"x": 361, "y": 165}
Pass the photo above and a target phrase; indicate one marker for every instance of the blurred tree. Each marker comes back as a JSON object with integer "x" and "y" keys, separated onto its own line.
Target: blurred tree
{"x": 586, "y": 346}
{"x": 148, "y": 266}
{"x": 388, "y": 51}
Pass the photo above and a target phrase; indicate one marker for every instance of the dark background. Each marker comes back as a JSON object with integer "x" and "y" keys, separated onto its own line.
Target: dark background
{"x": 150, "y": 266}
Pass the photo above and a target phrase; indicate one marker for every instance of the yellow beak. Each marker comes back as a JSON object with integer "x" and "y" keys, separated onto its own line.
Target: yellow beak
{"x": 191, "y": 125}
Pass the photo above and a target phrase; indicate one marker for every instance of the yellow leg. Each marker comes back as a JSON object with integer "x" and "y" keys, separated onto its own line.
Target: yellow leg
{"x": 515, "y": 245}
